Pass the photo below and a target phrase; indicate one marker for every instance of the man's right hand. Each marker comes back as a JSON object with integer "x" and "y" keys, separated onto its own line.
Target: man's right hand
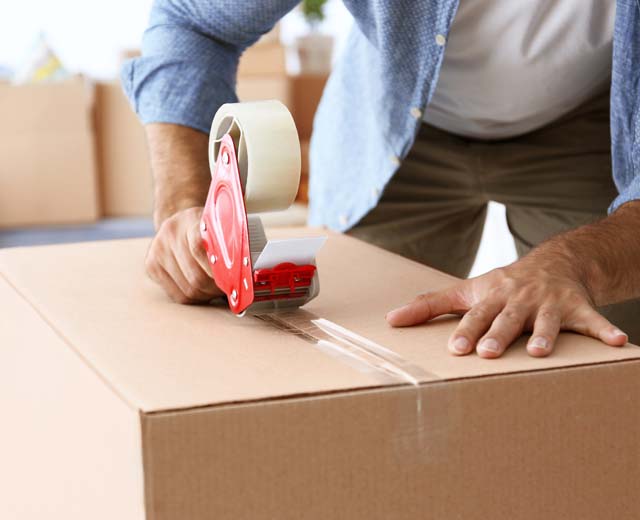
{"x": 178, "y": 261}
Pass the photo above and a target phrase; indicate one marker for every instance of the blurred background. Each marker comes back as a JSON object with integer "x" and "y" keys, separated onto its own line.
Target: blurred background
{"x": 73, "y": 159}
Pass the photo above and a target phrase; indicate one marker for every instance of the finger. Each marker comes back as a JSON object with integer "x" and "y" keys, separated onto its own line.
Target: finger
{"x": 473, "y": 325}
{"x": 162, "y": 278}
{"x": 200, "y": 285}
{"x": 196, "y": 247}
{"x": 428, "y": 306}
{"x": 191, "y": 292}
{"x": 504, "y": 330}
{"x": 591, "y": 323}
{"x": 545, "y": 332}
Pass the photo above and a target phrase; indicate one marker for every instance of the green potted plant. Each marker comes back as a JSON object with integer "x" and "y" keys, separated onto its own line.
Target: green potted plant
{"x": 313, "y": 11}
{"x": 314, "y": 49}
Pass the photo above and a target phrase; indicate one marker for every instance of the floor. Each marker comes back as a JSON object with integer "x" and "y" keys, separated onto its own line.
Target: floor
{"x": 495, "y": 250}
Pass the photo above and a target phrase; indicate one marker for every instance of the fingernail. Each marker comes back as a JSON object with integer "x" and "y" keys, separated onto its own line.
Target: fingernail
{"x": 489, "y": 345}
{"x": 540, "y": 343}
{"x": 460, "y": 345}
{"x": 400, "y": 309}
{"x": 618, "y": 332}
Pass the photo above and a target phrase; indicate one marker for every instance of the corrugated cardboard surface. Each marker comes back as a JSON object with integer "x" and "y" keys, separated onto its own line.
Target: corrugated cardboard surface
{"x": 47, "y": 170}
{"x": 551, "y": 445}
{"x": 123, "y": 160}
{"x": 205, "y": 355}
{"x": 306, "y": 92}
{"x": 69, "y": 446}
{"x": 241, "y": 421}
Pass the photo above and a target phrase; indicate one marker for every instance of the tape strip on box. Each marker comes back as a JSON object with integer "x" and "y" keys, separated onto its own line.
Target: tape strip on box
{"x": 351, "y": 348}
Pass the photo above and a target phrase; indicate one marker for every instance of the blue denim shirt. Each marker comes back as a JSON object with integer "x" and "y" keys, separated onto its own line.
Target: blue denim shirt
{"x": 373, "y": 103}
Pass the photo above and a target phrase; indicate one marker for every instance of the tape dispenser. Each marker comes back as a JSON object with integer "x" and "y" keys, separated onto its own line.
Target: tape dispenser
{"x": 254, "y": 155}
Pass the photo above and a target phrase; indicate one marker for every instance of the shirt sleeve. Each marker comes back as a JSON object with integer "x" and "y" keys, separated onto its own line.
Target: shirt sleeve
{"x": 625, "y": 103}
{"x": 190, "y": 54}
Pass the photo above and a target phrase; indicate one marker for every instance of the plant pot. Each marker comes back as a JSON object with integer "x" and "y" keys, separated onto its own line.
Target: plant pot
{"x": 315, "y": 51}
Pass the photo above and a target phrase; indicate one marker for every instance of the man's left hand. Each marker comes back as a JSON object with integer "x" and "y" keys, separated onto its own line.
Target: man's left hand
{"x": 537, "y": 293}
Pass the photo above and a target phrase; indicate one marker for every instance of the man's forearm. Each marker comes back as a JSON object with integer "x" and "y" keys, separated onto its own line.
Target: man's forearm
{"x": 604, "y": 255}
{"x": 180, "y": 166}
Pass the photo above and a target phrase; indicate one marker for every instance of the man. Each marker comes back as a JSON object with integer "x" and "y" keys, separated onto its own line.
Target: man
{"x": 445, "y": 106}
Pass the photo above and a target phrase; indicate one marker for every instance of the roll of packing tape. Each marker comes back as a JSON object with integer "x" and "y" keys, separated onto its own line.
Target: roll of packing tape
{"x": 268, "y": 151}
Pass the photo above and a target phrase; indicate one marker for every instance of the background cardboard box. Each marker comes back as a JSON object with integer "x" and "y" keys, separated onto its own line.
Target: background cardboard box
{"x": 126, "y": 186}
{"x": 124, "y": 172}
{"x": 47, "y": 158}
{"x": 118, "y": 403}
{"x": 306, "y": 92}
{"x": 268, "y": 59}
{"x": 303, "y": 192}
{"x": 258, "y": 88}
{"x": 301, "y": 94}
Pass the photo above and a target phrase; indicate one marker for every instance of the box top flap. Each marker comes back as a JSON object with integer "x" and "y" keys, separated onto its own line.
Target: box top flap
{"x": 158, "y": 355}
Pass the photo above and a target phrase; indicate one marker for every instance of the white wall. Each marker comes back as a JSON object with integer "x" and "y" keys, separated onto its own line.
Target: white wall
{"x": 89, "y": 35}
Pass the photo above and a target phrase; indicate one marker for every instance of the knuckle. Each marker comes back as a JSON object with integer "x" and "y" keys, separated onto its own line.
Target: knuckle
{"x": 197, "y": 279}
{"x": 499, "y": 274}
{"x": 423, "y": 298}
{"x": 151, "y": 266}
{"x": 168, "y": 229}
{"x": 195, "y": 246}
{"x": 548, "y": 314}
{"x": 191, "y": 293}
{"x": 504, "y": 279}
{"x": 511, "y": 316}
{"x": 477, "y": 313}
{"x": 571, "y": 297}
{"x": 496, "y": 293}
{"x": 181, "y": 299}
{"x": 150, "y": 262}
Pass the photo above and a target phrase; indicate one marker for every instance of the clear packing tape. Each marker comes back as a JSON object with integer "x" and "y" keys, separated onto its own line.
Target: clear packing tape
{"x": 349, "y": 347}
{"x": 413, "y": 429}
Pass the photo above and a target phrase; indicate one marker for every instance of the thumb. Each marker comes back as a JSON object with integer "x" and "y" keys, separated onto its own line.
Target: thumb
{"x": 429, "y": 306}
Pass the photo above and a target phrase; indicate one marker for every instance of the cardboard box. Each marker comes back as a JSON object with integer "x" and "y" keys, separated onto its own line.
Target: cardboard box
{"x": 259, "y": 88}
{"x": 118, "y": 404}
{"x": 273, "y": 36}
{"x": 126, "y": 185}
{"x": 47, "y": 158}
{"x": 303, "y": 191}
{"x": 268, "y": 59}
{"x": 306, "y": 92}
{"x": 301, "y": 94}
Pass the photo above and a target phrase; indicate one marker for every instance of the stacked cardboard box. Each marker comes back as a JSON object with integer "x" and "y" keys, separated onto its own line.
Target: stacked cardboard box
{"x": 118, "y": 404}
{"x": 122, "y": 156}
{"x": 262, "y": 75}
{"x": 59, "y": 165}
{"x": 47, "y": 163}
{"x": 306, "y": 92}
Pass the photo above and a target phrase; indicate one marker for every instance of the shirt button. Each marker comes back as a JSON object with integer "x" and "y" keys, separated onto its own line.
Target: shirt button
{"x": 343, "y": 219}
{"x": 416, "y": 112}
{"x": 441, "y": 40}
{"x": 395, "y": 160}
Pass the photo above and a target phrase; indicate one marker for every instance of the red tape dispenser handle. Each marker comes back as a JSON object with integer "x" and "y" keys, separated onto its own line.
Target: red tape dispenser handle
{"x": 225, "y": 231}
